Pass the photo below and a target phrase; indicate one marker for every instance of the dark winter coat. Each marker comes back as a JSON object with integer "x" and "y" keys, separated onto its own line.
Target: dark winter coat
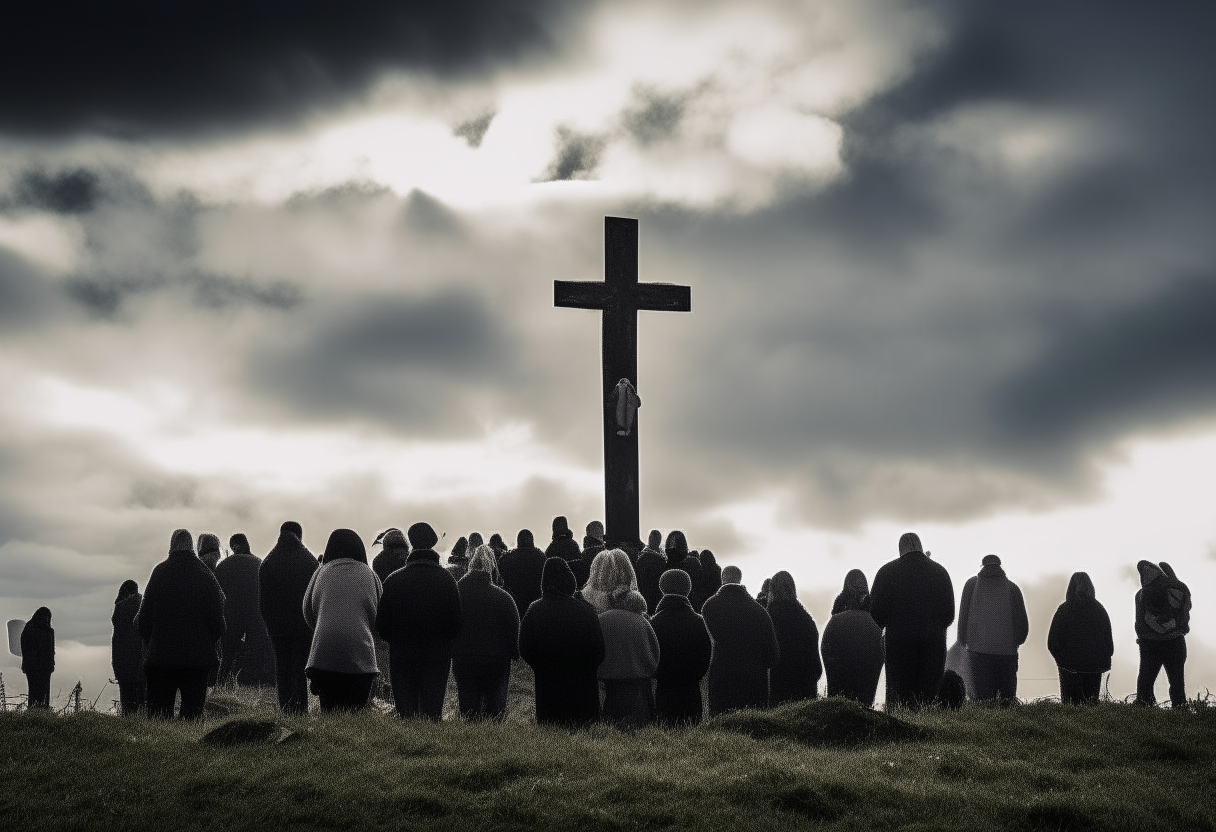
{"x": 711, "y": 576}
{"x": 1163, "y": 606}
{"x": 563, "y": 546}
{"x": 745, "y": 647}
{"x": 521, "y": 569}
{"x": 181, "y": 618}
{"x": 388, "y": 562}
{"x": 796, "y": 674}
{"x": 38, "y": 644}
{"x": 561, "y": 639}
{"x": 691, "y": 567}
{"x": 992, "y": 614}
{"x": 1080, "y": 635}
{"x": 684, "y": 644}
{"x": 489, "y": 620}
{"x": 126, "y": 647}
{"x": 282, "y": 579}
{"x": 650, "y": 567}
{"x": 419, "y": 613}
{"x": 853, "y": 655}
{"x": 238, "y": 576}
{"x": 913, "y": 598}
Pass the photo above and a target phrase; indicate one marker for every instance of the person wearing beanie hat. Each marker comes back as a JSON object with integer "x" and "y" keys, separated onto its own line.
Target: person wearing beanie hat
{"x": 912, "y": 600}
{"x": 521, "y": 570}
{"x": 684, "y": 652}
{"x": 992, "y": 625}
{"x": 796, "y": 674}
{"x": 631, "y": 649}
{"x": 38, "y": 658}
{"x": 340, "y": 605}
{"x": 420, "y": 616}
{"x": 561, "y": 639}
{"x": 745, "y": 647}
{"x": 181, "y": 622}
{"x": 127, "y": 650}
{"x": 563, "y": 544}
{"x": 283, "y": 578}
{"x": 209, "y": 549}
{"x": 1163, "y": 618}
{"x": 1081, "y": 642}
{"x": 246, "y": 656}
{"x": 488, "y": 640}
{"x": 852, "y": 643}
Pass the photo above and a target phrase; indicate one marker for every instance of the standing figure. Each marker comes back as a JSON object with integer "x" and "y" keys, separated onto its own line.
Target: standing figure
{"x": 561, "y": 639}
{"x": 563, "y": 544}
{"x": 127, "y": 650}
{"x": 392, "y": 557}
{"x": 209, "y": 549}
{"x": 181, "y": 620}
{"x": 498, "y": 545}
{"x": 992, "y": 623}
{"x": 246, "y": 655}
{"x": 711, "y": 577}
{"x": 1163, "y": 618}
{"x": 458, "y": 558}
{"x": 38, "y": 657}
{"x": 745, "y": 646}
{"x": 593, "y": 544}
{"x": 796, "y": 674}
{"x": 521, "y": 569}
{"x": 852, "y": 643}
{"x": 676, "y": 551}
{"x": 684, "y": 652}
{"x": 631, "y": 649}
{"x": 488, "y": 640}
{"x": 1080, "y": 641}
{"x": 651, "y": 565}
{"x": 419, "y": 617}
{"x": 283, "y": 578}
{"x": 340, "y": 606}
{"x": 913, "y": 601}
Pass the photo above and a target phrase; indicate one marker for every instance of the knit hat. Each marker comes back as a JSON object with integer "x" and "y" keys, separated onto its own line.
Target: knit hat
{"x": 676, "y": 547}
{"x": 208, "y": 543}
{"x": 394, "y": 539}
{"x": 293, "y": 527}
{"x": 1149, "y": 572}
{"x": 595, "y": 529}
{"x": 344, "y": 543}
{"x": 557, "y": 579}
{"x": 524, "y": 539}
{"x": 782, "y": 587}
{"x": 239, "y": 544}
{"x": 560, "y": 526}
{"x": 182, "y": 541}
{"x": 675, "y": 582}
{"x": 910, "y": 542}
{"x": 422, "y": 536}
{"x": 731, "y": 575}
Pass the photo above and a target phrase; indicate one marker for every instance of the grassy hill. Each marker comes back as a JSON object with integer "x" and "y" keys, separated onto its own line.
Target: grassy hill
{"x": 827, "y": 764}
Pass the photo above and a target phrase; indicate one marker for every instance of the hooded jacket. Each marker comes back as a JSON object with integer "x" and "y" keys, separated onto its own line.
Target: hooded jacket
{"x": 181, "y": 617}
{"x": 283, "y": 576}
{"x": 1163, "y": 605}
{"x": 684, "y": 644}
{"x": 1080, "y": 636}
{"x": 38, "y": 644}
{"x": 392, "y": 556}
{"x": 126, "y": 647}
{"x": 340, "y": 605}
{"x": 992, "y": 615}
{"x": 521, "y": 569}
{"x": 650, "y": 567}
{"x": 677, "y": 558}
{"x": 420, "y": 613}
{"x": 563, "y": 544}
{"x": 744, "y": 648}
{"x": 796, "y": 674}
{"x": 489, "y": 620}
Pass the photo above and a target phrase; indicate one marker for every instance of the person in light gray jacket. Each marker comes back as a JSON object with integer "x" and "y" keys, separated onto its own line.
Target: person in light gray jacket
{"x": 631, "y": 648}
{"x": 992, "y": 623}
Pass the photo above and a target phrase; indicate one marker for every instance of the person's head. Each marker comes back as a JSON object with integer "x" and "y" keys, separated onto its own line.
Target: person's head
{"x": 910, "y": 542}
{"x": 239, "y": 544}
{"x": 497, "y": 543}
{"x": 344, "y": 544}
{"x": 181, "y": 541}
{"x": 524, "y": 539}
{"x": 675, "y": 582}
{"x": 460, "y": 551}
{"x": 611, "y": 570}
{"x": 393, "y": 540}
{"x": 208, "y": 543}
{"x": 655, "y": 540}
{"x": 855, "y": 595}
{"x": 127, "y": 589}
{"x": 781, "y": 588}
{"x": 990, "y": 560}
{"x": 676, "y": 547}
{"x": 422, "y": 536}
{"x": 557, "y": 579}
{"x": 855, "y": 581}
{"x": 475, "y": 540}
{"x": 595, "y": 531}
{"x": 484, "y": 560}
{"x": 1080, "y": 587}
{"x": 42, "y": 616}
{"x": 732, "y": 575}
{"x": 1149, "y": 572}
{"x": 560, "y": 527}
{"x": 294, "y": 528}
{"x": 707, "y": 558}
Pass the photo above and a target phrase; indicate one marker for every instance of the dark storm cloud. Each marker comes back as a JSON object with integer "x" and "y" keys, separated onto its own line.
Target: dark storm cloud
{"x": 577, "y": 157}
{"x": 143, "y": 66}
{"x": 654, "y": 116}
{"x": 474, "y": 130}
{"x": 71, "y": 191}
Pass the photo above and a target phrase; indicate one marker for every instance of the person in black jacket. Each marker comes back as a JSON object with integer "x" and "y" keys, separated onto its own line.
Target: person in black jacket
{"x": 676, "y": 552}
{"x": 181, "y": 621}
{"x": 246, "y": 655}
{"x": 745, "y": 646}
{"x": 38, "y": 657}
{"x": 127, "y": 650}
{"x": 563, "y": 544}
{"x": 913, "y": 601}
{"x": 1080, "y": 641}
{"x": 796, "y": 674}
{"x": 209, "y": 549}
{"x": 395, "y": 549}
{"x": 521, "y": 569}
{"x": 711, "y": 576}
{"x": 283, "y": 578}
{"x": 419, "y": 616}
{"x": 650, "y": 566}
{"x": 488, "y": 641}
{"x": 684, "y": 652}
{"x": 1163, "y": 618}
{"x": 560, "y": 637}
{"x": 852, "y": 643}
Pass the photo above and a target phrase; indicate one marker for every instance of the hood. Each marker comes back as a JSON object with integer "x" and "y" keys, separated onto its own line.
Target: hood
{"x": 910, "y": 542}
{"x": 707, "y": 558}
{"x": 497, "y": 543}
{"x": 394, "y": 539}
{"x": 181, "y": 542}
{"x": 655, "y": 539}
{"x": 208, "y": 543}
{"x": 557, "y": 579}
{"x": 41, "y": 617}
{"x": 561, "y": 528}
{"x": 239, "y": 544}
{"x": 344, "y": 543}
{"x": 460, "y": 552}
{"x": 782, "y": 588}
{"x": 524, "y": 539}
{"x": 127, "y": 589}
{"x": 1149, "y": 572}
{"x": 676, "y": 548}
{"x": 292, "y": 527}
{"x": 1080, "y": 587}
{"x": 595, "y": 530}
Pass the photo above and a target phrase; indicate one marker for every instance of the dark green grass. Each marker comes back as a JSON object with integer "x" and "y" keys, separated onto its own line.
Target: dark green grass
{"x": 1029, "y": 767}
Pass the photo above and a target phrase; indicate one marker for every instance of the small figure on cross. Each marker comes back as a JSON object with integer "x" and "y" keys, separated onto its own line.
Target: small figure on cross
{"x": 627, "y": 404}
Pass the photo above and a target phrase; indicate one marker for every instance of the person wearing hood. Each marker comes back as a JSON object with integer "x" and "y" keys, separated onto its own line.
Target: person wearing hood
{"x": 498, "y": 545}
{"x": 419, "y": 617}
{"x": 563, "y": 544}
{"x": 283, "y": 578}
{"x": 38, "y": 657}
{"x": 684, "y": 652}
{"x": 181, "y": 622}
{"x": 246, "y": 656}
{"x": 1163, "y": 618}
{"x": 852, "y": 643}
{"x": 913, "y": 602}
{"x": 127, "y": 650}
{"x": 488, "y": 640}
{"x": 521, "y": 569}
{"x": 209, "y": 549}
{"x": 393, "y": 552}
{"x": 1080, "y": 641}
{"x": 458, "y": 558}
{"x": 340, "y": 605}
{"x": 796, "y": 674}
{"x": 593, "y": 544}
{"x": 744, "y": 646}
{"x": 711, "y": 576}
{"x": 676, "y": 552}
{"x": 651, "y": 565}
{"x": 561, "y": 639}
{"x": 631, "y": 650}
{"x": 762, "y": 595}
{"x": 992, "y": 625}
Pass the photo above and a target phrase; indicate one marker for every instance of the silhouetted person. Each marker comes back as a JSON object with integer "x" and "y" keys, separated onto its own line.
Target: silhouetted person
{"x": 419, "y": 618}
{"x": 913, "y": 601}
{"x": 676, "y": 552}
{"x": 563, "y": 544}
{"x": 498, "y": 545}
{"x": 127, "y": 650}
{"x": 762, "y": 595}
{"x": 340, "y": 605}
{"x": 1080, "y": 641}
{"x": 852, "y": 643}
{"x": 561, "y": 639}
{"x": 631, "y": 650}
{"x": 711, "y": 576}
{"x": 992, "y": 623}
{"x": 593, "y": 544}
{"x": 181, "y": 620}
{"x": 488, "y": 640}
{"x": 395, "y": 549}
{"x": 458, "y": 558}
{"x": 684, "y": 652}
{"x": 209, "y": 549}
{"x": 38, "y": 657}
{"x": 796, "y": 674}
{"x": 521, "y": 569}
{"x": 650, "y": 566}
{"x": 1163, "y": 618}
{"x": 745, "y": 646}
{"x": 246, "y": 655}
{"x": 283, "y": 577}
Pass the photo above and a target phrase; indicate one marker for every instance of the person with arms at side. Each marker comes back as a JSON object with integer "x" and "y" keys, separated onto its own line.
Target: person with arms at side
{"x": 1081, "y": 642}
{"x": 564, "y": 546}
{"x": 283, "y": 578}
{"x": 684, "y": 652}
{"x": 852, "y": 643}
{"x": 651, "y": 565}
{"x": 631, "y": 649}
{"x": 676, "y": 552}
{"x": 711, "y": 576}
{"x": 796, "y": 674}
{"x": 488, "y": 640}
{"x": 744, "y": 646}
{"x": 993, "y": 624}
{"x": 521, "y": 569}
{"x": 38, "y": 658}
{"x": 127, "y": 650}
{"x": 246, "y": 655}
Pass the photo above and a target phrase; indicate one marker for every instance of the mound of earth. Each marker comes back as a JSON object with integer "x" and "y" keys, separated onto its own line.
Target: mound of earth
{"x": 825, "y": 723}
{"x": 245, "y": 732}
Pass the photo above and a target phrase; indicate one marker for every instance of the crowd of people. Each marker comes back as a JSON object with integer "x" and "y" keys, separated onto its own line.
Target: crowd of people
{"x": 621, "y": 635}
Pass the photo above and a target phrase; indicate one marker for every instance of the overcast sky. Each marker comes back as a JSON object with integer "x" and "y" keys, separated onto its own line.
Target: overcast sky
{"x": 952, "y": 269}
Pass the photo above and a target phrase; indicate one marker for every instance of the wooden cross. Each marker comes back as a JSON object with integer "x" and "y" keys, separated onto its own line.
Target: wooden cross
{"x": 620, "y": 297}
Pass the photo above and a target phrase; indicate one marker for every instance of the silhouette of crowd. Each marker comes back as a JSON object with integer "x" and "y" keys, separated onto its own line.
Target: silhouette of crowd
{"x": 627, "y": 636}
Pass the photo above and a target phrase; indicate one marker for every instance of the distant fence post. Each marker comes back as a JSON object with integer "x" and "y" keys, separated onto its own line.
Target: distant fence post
{"x": 75, "y": 698}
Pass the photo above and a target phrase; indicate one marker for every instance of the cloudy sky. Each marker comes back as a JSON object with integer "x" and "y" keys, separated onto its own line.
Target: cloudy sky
{"x": 952, "y": 271}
